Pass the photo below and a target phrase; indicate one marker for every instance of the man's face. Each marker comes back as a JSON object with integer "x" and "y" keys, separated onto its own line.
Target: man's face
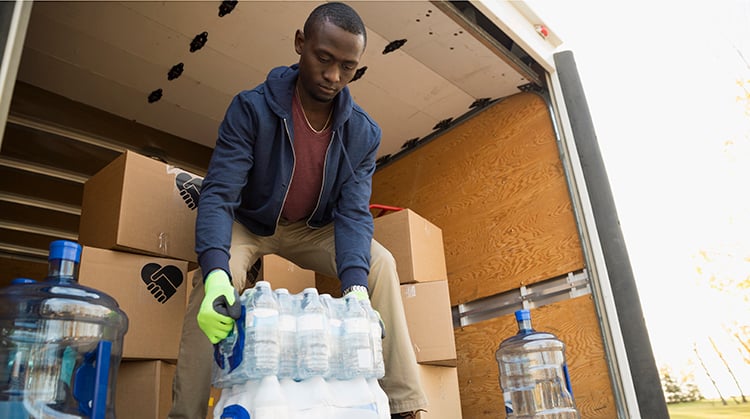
{"x": 328, "y": 60}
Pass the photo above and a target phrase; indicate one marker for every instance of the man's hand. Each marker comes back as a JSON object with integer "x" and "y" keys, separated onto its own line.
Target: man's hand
{"x": 220, "y": 306}
{"x": 360, "y": 292}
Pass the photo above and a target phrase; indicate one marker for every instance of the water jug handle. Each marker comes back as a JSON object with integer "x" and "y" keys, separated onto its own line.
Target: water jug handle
{"x": 567, "y": 379}
{"x": 236, "y": 358}
{"x": 101, "y": 382}
{"x": 92, "y": 381}
{"x": 218, "y": 357}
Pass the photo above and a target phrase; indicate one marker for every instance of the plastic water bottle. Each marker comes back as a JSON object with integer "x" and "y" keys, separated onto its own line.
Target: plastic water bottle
{"x": 287, "y": 334}
{"x": 262, "y": 332}
{"x": 269, "y": 401}
{"x": 534, "y": 375}
{"x": 376, "y": 340}
{"x": 356, "y": 349}
{"x": 313, "y": 337}
{"x": 334, "y": 312}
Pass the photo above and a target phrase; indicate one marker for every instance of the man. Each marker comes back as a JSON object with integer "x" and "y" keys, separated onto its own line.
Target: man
{"x": 291, "y": 174}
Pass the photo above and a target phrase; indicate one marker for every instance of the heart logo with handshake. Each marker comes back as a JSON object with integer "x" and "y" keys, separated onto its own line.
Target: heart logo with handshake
{"x": 161, "y": 281}
{"x": 190, "y": 189}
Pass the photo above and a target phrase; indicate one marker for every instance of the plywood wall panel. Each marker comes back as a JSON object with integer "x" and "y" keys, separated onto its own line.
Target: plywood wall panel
{"x": 496, "y": 187}
{"x": 574, "y": 322}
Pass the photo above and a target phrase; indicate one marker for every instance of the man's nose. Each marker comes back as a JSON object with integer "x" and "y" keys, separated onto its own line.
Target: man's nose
{"x": 332, "y": 74}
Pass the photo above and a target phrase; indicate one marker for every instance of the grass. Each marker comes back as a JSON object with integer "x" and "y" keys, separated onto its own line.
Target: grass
{"x": 710, "y": 409}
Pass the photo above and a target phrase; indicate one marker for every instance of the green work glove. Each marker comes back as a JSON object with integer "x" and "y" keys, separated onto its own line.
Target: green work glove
{"x": 360, "y": 292}
{"x": 220, "y": 307}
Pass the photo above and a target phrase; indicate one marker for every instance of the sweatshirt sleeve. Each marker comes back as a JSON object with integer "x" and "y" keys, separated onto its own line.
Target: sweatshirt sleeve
{"x": 353, "y": 225}
{"x": 230, "y": 163}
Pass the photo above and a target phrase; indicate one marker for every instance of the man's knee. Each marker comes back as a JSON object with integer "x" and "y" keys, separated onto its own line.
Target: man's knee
{"x": 382, "y": 263}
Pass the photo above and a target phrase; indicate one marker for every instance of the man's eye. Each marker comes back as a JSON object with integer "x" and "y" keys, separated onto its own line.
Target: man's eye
{"x": 323, "y": 59}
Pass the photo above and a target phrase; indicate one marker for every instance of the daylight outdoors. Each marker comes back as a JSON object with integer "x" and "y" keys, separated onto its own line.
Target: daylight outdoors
{"x": 668, "y": 86}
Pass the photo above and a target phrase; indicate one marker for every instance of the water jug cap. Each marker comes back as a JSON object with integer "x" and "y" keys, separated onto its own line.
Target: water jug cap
{"x": 18, "y": 281}
{"x": 523, "y": 315}
{"x": 65, "y": 249}
{"x": 235, "y": 411}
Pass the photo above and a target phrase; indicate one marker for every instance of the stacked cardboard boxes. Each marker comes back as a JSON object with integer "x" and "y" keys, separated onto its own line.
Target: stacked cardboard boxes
{"x": 417, "y": 246}
{"x": 138, "y": 232}
{"x": 137, "y": 229}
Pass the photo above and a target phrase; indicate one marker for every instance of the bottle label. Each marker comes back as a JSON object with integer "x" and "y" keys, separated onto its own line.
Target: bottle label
{"x": 364, "y": 358}
{"x": 310, "y": 322}
{"x": 287, "y": 323}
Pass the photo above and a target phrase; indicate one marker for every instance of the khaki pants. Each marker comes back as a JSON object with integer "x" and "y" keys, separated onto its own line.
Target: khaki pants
{"x": 310, "y": 249}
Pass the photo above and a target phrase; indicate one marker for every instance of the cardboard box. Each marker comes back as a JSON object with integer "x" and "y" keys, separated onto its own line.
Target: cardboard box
{"x": 141, "y": 205}
{"x": 150, "y": 290}
{"x": 416, "y": 244}
{"x": 440, "y": 385}
{"x": 428, "y": 315}
{"x": 282, "y": 273}
{"x": 144, "y": 389}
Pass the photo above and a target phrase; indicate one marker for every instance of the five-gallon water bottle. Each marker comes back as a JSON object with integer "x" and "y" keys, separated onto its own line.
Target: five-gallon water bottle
{"x": 313, "y": 337}
{"x": 71, "y": 338}
{"x": 287, "y": 334}
{"x": 534, "y": 375}
{"x": 356, "y": 348}
{"x": 261, "y": 356}
{"x": 376, "y": 340}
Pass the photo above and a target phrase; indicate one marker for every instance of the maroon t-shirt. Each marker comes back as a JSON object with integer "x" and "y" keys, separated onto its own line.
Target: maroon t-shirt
{"x": 310, "y": 153}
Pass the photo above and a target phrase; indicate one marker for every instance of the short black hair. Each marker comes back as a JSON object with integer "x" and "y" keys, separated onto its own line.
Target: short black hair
{"x": 339, "y": 14}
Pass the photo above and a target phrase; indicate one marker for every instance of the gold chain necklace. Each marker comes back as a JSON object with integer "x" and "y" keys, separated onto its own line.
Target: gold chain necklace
{"x": 330, "y": 113}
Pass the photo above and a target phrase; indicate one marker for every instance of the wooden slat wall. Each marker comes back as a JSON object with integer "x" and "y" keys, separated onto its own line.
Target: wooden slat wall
{"x": 11, "y": 268}
{"x": 495, "y": 185}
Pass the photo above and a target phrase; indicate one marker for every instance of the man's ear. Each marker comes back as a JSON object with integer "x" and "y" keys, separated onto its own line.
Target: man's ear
{"x": 299, "y": 41}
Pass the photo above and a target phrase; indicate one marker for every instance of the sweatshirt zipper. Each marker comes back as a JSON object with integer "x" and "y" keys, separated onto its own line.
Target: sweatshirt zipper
{"x": 323, "y": 181}
{"x": 294, "y": 165}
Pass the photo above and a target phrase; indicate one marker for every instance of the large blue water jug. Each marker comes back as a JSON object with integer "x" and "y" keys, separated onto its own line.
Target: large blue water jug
{"x": 60, "y": 344}
{"x": 534, "y": 374}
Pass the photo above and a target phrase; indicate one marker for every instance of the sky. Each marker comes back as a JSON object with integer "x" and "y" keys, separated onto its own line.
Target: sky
{"x": 662, "y": 80}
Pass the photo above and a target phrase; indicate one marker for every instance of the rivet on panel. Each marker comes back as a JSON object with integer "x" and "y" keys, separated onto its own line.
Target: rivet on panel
{"x": 199, "y": 41}
{"x": 155, "y": 96}
{"x": 226, "y": 7}
{"x": 445, "y": 123}
{"x": 383, "y": 159}
{"x": 175, "y": 71}
{"x": 359, "y": 73}
{"x": 480, "y": 103}
{"x": 394, "y": 45}
{"x": 410, "y": 144}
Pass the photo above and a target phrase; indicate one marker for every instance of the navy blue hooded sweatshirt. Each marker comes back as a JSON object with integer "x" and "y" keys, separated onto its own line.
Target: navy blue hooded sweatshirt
{"x": 251, "y": 170}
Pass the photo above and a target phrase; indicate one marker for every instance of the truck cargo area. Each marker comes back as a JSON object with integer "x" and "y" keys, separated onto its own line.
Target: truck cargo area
{"x": 475, "y": 139}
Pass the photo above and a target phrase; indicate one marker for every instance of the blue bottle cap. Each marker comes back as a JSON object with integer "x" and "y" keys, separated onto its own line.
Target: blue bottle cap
{"x": 235, "y": 411}
{"x": 523, "y": 315}
{"x": 20, "y": 281}
{"x": 65, "y": 249}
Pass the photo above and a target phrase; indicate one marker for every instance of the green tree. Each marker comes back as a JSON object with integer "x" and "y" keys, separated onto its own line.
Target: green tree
{"x": 672, "y": 389}
{"x": 678, "y": 391}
